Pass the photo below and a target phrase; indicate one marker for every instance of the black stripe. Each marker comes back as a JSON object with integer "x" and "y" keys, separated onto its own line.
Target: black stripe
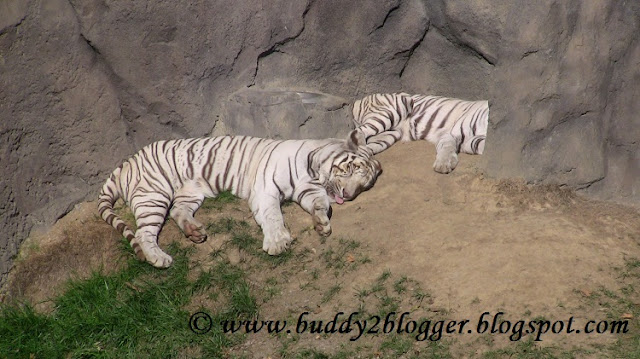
{"x": 159, "y": 225}
{"x": 446, "y": 117}
{"x": 273, "y": 179}
{"x": 229, "y": 161}
{"x": 266, "y": 165}
{"x": 303, "y": 193}
{"x": 290, "y": 175}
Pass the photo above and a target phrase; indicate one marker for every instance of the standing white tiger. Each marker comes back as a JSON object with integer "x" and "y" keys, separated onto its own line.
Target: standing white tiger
{"x": 175, "y": 176}
{"x": 453, "y": 125}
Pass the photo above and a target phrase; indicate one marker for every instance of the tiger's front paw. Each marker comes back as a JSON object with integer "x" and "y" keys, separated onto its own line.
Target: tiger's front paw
{"x": 276, "y": 241}
{"x": 445, "y": 162}
{"x": 321, "y": 224}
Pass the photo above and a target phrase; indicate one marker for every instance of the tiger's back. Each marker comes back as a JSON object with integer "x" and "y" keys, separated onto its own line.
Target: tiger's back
{"x": 167, "y": 166}
{"x": 453, "y": 125}
{"x": 432, "y": 117}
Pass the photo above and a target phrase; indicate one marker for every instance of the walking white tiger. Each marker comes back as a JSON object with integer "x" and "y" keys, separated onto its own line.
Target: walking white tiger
{"x": 453, "y": 125}
{"x": 177, "y": 175}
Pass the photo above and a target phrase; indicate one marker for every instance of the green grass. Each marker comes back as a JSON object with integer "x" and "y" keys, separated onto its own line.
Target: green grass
{"x": 313, "y": 353}
{"x": 624, "y": 303}
{"x": 397, "y": 345}
{"x": 526, "y": 349}
{"x": 386, "y": 295}
{"x": 248, "y": 239}
{"x": 330, "y": 293}
{"x": 135, "y": 312}
{"x": 341, "y": 256}
{"x": 271, "y": 288}
{"x": 227, "y": 225}
{"x": 400, "y": 286}
{"x": 218, "y": 202}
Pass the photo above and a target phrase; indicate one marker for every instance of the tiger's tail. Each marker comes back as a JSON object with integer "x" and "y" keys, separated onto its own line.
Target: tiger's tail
{"x": 109, "y": 194}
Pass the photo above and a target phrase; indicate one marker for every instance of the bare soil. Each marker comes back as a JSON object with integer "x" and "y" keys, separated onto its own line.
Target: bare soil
{"x": 469, "y": 244}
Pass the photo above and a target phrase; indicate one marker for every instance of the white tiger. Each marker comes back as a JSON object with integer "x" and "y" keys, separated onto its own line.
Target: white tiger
{"x": 175, "y": 176}
{"x": 453, "y": 125}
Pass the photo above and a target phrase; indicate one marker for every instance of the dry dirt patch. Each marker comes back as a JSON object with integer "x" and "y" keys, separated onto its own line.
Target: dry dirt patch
{"x": 463, "y": 243}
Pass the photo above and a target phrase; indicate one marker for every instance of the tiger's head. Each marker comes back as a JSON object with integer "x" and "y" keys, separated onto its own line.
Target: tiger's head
{"x": 348, "y": 170}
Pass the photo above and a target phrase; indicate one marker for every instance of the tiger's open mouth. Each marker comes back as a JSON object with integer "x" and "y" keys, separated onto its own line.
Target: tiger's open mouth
{"x": 338, "y": 195}
{"x": 342, "y": 197}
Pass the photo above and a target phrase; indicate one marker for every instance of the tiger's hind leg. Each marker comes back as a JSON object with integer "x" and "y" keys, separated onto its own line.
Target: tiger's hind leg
{"x": 446, "y": 154}
{"x": 185, "y": 205}
{"x": 150, "y": 211}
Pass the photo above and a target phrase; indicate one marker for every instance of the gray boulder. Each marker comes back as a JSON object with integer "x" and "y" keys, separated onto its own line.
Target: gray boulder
{"x": 285, "y": 114}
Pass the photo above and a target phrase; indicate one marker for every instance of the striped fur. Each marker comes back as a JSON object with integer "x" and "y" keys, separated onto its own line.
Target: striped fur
{"x": 451, "y": 124}
{"x": 175, "y": 176}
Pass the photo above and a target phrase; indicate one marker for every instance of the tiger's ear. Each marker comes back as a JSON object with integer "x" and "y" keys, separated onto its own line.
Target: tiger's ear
{"x": 356, "y": 139}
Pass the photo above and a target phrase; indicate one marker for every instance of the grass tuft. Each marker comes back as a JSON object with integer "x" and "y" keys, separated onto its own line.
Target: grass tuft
{"x": 135, "y": 312}
{"x": 219, "y": 202}
{"x": 330, "y": 293}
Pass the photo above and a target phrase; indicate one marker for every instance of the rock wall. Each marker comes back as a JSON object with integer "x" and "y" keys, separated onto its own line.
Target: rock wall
{"x": 86, "y": 83}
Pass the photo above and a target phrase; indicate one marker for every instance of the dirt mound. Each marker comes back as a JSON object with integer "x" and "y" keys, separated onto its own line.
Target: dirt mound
{"x": 440, "y": 246}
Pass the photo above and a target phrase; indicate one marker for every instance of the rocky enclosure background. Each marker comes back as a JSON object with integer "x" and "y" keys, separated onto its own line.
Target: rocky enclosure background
{"x": 85, "y": 83}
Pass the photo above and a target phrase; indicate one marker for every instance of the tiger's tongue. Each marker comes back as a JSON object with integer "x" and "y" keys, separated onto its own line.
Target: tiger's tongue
{"x": 339, "y": 199}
